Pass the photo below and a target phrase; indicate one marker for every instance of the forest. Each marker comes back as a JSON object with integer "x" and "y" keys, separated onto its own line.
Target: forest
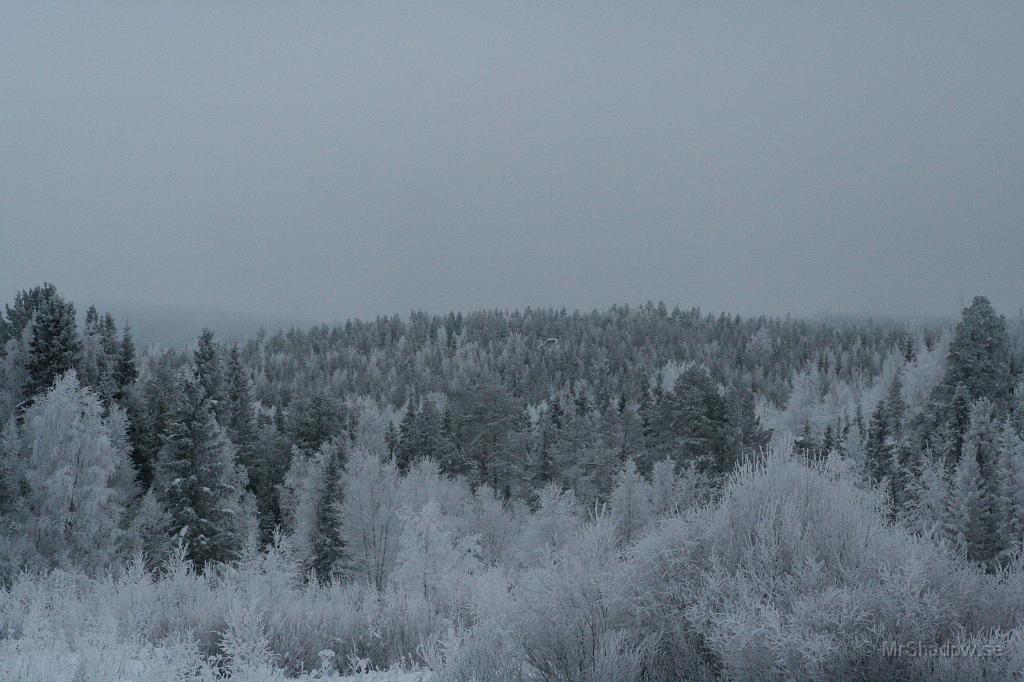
{"x": 635, "y": 493}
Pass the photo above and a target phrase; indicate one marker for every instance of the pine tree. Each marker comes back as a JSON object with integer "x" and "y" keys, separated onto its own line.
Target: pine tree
{"x": 450, "y": 458}
{"x": 406, "y": 452}
{"x": 691, "y": 423}
{"x": 1011, "y": 486}
{"x": 209, "y": 372}
{"x": 979, "y": 357}
{"x": 151, "y": 406}
{"x": 97, "y": 362}
{"x": 17, "y": 317}
{"x": 327, "y": 545}
{"x": 880, "y": 446}
{"x": 314, "y": 417}
{"x": 957, "y": 422}
{"x": 91, "y": 363}
{"x": 126, "y": 371}
{"x": 1017, "y": 409}
{"x": 238, "y": 411}
{"x": 981, "y": 444}
{"x": 966, "y": 513}
{"x": 391, "y": 439}
{"x": 199, "y": 483}
{"x": 54, "y": 347}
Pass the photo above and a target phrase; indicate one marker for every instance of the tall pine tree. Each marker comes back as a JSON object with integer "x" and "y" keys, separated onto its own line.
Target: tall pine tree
{"x": 199, "y": 482}
{"x": 54, "y": 346}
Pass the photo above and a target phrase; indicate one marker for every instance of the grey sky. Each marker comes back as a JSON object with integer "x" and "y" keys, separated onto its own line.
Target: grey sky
{"x": 322, "y": 160}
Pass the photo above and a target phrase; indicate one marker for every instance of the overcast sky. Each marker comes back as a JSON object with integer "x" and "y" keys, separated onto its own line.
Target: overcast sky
{"x": 326, "y": 160}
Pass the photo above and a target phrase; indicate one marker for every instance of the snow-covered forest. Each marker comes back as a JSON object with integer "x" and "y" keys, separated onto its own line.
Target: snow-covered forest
{"x": 635, "y": 493}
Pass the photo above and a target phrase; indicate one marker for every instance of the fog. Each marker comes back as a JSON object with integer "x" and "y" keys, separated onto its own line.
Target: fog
{"x": 326, "y": 160}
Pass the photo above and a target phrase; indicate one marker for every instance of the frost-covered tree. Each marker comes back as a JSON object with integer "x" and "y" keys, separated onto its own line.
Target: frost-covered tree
{"x": 209, "y": 371}
{"x": 1017, "y": 409}
{"x": 18, "y": 314}
{"x": 199, "y": 482}
{"x": 314, "y": 417}
{"x": 968, "y": 512}
{"x": 126, "y": 371}
{"x": 148, "y": 530}
{"x": 54, "y": 345}
{"x": 430, "y": 555}
{"x": 370, "y": 525}
{"x": 326, "y": 545}
{"x": 979, "y": 356}
{"x": 553, "y": 524}
{"x": 932, "y": 500}
{"x": 880, "y": 446}
{"x": 630, "y": 503}
{"x": 982, "y": 444}
{"x": 74, "y": 476}
{"x": 665, "y": 491}
{"x": 1010, "y": 481}
{"x": 150, "y": 405}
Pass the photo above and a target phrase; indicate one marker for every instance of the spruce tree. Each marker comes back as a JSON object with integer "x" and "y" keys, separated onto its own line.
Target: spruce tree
{"x": 126, "y": 371}
{"x": 199, "y": 482}
{"x": 979, "y": 357}
{"x": 327, "y": 545}
{"x": 880, "y": 445}
{"x": 314, "y": 417}
{"x": 209, "y": 372}
{"x": 54, "y": 346}
{"x": 18, "y": 315}
{"x": 966, "y": 515}
{"x": 981, "y": 451}
{"x": 1011, "y": 486}
{"x": 958, "y": 420}
{"x": 238, "y": 411}
{"x": 406, "y": 452}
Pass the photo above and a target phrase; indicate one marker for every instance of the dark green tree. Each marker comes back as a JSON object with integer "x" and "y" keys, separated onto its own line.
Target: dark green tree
{"x": 18, "y": 315}
{"x": 327, "y": 544}
{"x": 198, "y": 481}
{"x": 209, "y": 371}
{"x": 126, "y": 371}
{"x": 54, "y": 347}
{"x": 979, "y": 357}
{"x": 314, "y": 417}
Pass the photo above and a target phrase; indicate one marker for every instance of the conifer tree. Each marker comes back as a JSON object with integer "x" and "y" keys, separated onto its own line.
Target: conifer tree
{"x": 199, "y": 482}
{"x": 966, "y": 514}
{"x": 314, "y": 417}
{"x": 54, "y": 346}
{"x": 406, "y": 451}
{"x": 979, "y": 357}
{"x": 209, "y": 371}
{"x": 1017, "y": 409}
{"x": 957, "y": 422}
{"x": 126, "y": 371}
{"x": 17, "y": 316}
{"x": 982, "y": 445}
{"x": 880, "y": 445}
{"x": 1011, "y": 486}
{"x": 391, "y": 439}
{"x": 327, "y": 546}
{"x": 238, "y": 411}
